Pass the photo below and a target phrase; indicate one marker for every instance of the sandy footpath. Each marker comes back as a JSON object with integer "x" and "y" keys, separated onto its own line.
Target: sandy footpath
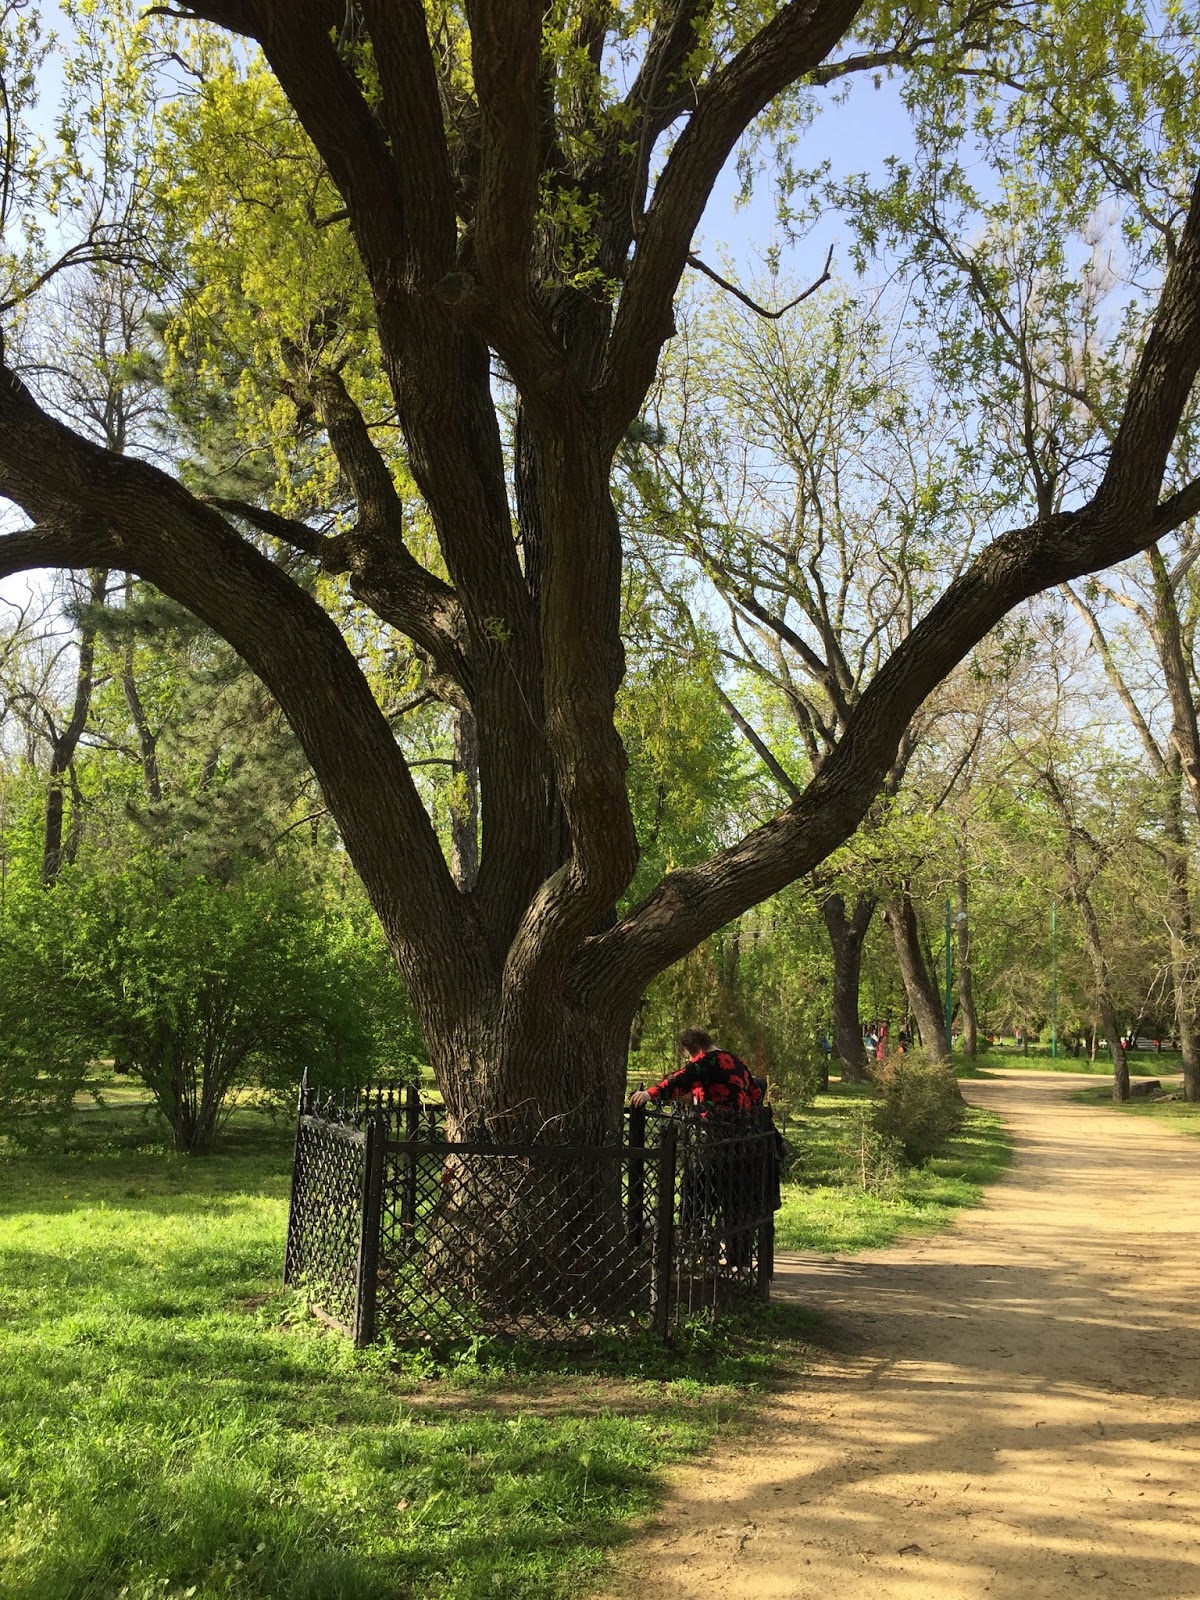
{"x": 1009, "y": 1409}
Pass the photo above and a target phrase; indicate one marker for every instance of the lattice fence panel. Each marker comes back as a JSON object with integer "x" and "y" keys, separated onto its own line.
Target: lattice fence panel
{"x": 325, "y": 1225}
{"x": 547, "y": 1243}
{"x": 726, "y": 1198}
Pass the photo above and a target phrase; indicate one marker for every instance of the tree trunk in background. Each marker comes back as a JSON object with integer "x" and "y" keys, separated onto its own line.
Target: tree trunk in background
{"x": 923, "y": 999}
{"x": 1095, "y": 950}
{"x": 464, "y": 806}
{"x": 1182, "y": 941}
{"x": 846, "y": 936}
{"x": 147, "y": 739}
{"x": 64, "y": 745}
{"x": 966, "y": 997}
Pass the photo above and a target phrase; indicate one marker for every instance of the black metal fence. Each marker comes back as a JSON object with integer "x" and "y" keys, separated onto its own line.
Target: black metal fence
{"x": 396, "y": 1230}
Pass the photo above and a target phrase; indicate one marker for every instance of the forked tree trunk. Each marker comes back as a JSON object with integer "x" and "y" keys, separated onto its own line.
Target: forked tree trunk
{"x": 846, "y": 936}
{"x": 923, "y": 998}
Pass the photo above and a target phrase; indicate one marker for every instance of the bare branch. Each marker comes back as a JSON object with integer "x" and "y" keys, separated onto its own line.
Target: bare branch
{"x": 761, "y": 311}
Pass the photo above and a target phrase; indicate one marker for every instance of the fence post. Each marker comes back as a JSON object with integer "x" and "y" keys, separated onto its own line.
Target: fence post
{"x": 408, "y": 1196}
{"x": 293, "y": 1226}
{"x": 368, "y": 1244}
{"x": 767, "y": 1162}
{"x": 636, "y": 1204}
{"x": 664, "y": 1230}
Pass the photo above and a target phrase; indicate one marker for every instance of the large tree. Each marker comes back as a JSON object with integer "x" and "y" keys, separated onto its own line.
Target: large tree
{"x": 513, "y": 205}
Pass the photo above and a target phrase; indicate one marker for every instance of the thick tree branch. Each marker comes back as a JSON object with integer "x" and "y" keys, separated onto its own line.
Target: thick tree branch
{"x": 1119, "y": 521}
{"x": 93, "y": 508}
{"x": 412, "y": 113}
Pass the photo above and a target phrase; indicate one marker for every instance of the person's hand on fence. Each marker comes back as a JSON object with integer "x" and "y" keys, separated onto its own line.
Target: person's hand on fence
{"x": 639, "y": 1097}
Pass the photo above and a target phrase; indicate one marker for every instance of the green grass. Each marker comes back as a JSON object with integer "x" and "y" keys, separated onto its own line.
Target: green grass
{"x": 171, "y": 1425}
{"x": 1142, "y": 1063}
{"x": 823, "y": 1211}
{"x": 1180, "y": 1114}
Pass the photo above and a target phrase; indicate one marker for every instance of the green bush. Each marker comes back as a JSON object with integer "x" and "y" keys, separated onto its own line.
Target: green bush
{"x": 195, "y": 986}
{"x": 873, "y": 1160}
{"x": 45, "y": 1044}
{"x": 920, "y": 1105}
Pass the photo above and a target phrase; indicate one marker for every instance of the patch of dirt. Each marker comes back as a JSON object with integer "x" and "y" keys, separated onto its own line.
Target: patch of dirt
{"x": 1009, "y": 1409}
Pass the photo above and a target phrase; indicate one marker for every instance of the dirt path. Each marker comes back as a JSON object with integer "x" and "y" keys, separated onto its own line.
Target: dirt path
{"x": 1009, "y": 1409}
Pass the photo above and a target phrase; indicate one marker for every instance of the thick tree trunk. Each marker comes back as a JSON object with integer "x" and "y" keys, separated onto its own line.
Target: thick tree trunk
{"x": 923, "y": 998}
{"x": 846, "y": 936}
{"x": 556, "y": 1078}
{"x": 966, "y": 996}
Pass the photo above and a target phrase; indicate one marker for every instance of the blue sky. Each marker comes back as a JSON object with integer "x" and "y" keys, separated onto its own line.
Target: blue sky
{"x": 855, "y": 134}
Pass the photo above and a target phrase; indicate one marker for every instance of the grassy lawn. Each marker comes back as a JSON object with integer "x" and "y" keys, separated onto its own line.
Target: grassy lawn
{"x": 1142, "y": 1063}
{"x": 1175, "y": 1113}
{"x": 171, "y": 1426}
{"x": 822, "y": 1211}
{"x": 174, "y": 1427}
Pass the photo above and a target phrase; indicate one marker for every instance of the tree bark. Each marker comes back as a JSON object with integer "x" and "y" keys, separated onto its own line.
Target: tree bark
{"x": 923, "y": 999}
{"x": 846, "y": 936}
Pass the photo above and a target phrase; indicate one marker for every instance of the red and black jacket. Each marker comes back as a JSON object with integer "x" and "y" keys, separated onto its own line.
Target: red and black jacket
{"x": 712, "y": 1078}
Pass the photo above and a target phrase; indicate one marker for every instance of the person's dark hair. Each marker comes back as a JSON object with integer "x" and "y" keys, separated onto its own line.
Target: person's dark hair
{"x": 695, "y": 1039}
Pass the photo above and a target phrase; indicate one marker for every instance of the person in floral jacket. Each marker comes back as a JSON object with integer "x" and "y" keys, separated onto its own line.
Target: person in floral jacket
{"x": 711, "y": 1077}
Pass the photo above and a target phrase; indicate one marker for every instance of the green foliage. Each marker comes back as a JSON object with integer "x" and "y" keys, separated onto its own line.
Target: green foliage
{"x": 46, "y": 1044}
{"x": 921, "y": 1105}
{"x": 759, "y": 987}
{"x": 195, "y": 987}
{"x": 826, "y": 1208}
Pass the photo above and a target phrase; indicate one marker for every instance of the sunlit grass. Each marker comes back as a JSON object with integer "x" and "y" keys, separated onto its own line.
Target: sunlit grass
{"x": 171, "y": 1425}
{"x": 1180, "y": 1114}
{"x": 825, "y": 1210}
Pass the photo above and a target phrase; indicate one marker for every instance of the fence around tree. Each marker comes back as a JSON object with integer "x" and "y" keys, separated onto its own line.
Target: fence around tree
{"x": 396, "y": 1231}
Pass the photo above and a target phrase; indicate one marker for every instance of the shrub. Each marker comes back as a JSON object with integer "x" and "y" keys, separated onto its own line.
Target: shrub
{"x": 45, "y": 1045}
{"x": 873, "y": 1159}
{"x": 197, "y": 987}
{"x": 920, "y": 1106}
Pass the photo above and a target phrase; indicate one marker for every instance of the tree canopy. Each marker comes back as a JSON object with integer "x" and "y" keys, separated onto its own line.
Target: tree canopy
{"x": 420, "y": 262}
